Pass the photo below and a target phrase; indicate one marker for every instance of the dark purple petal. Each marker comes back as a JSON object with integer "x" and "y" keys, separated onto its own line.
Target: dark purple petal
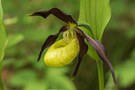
{"x": 50, "y": 40}
{"x": 82, "y": 52}
{"x": 56, "y": 12}
{"x": 101, "y": 53}
{"x": 100, "y": 49}
{"x": 101, "y": 45}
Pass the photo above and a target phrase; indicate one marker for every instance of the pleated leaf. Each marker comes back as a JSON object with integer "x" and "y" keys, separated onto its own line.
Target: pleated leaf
{"x": 3, "y": 41}
{"x": 97, "y": 13}
{"x": 3, "y": 38}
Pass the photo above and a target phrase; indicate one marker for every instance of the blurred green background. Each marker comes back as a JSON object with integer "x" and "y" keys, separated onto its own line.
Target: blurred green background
{"x": 26, "y": 35}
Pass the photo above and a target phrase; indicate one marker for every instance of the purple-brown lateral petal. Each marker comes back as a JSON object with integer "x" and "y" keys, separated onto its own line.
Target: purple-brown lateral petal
{"x": 101, "y": 53}
{"x": 56, "y": 12}
{"x": 82, "y": 52}
{"x": 100, "y": 49}
{"x": 50, "y": 40}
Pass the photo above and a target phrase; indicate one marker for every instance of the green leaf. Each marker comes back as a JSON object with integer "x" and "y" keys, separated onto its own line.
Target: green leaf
{"x": 97, "y": 13}
{"x": 3, "y": 41}
{"x": 3, "y": 38}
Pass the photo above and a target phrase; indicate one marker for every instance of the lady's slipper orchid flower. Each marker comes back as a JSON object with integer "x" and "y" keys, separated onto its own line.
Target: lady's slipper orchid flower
{"x": 73, "y": 43}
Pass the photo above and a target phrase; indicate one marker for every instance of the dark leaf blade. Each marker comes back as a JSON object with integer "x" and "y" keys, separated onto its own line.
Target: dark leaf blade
{"x": 56, "y": 12}
{"x": 82, "y": 52}
{"x": 101, "y": 53}
{"x": 50, "y": 40}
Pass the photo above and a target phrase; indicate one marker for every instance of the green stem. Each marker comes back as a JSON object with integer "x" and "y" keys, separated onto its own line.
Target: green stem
{"x": 100, "y": 74}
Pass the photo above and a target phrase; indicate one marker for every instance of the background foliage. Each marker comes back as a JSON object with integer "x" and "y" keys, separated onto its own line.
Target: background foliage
{"x": 26, "y": 35}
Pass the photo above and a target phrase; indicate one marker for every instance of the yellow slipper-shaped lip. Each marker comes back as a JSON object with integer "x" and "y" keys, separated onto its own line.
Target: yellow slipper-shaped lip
{"x": 62, "y": 52}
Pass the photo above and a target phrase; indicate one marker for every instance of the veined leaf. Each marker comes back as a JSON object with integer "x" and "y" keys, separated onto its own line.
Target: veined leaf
{"x": 3, "y": 38}
{"x": 97, "y": 13}
{"x": 3, "y": 41}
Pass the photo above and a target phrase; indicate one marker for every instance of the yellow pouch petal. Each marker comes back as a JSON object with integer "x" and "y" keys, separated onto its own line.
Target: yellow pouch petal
{"x": 62, "y": 52}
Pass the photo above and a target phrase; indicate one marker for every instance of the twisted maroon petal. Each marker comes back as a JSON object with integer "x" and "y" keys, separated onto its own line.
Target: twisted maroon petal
{"x": 56, "y": 12}
{"x": 100, "y": 49}
{"x": 82, "y": 52}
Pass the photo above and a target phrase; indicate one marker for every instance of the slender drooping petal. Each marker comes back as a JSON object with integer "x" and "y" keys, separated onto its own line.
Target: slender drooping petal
{"x": 56, "y": 12}
{"x": 100, "y": 49}
{"x": 102, "y": 54}
{"x": 50, "y": 40}
{"x": 104, "y": 57}
{"x": 82, "y": 52}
